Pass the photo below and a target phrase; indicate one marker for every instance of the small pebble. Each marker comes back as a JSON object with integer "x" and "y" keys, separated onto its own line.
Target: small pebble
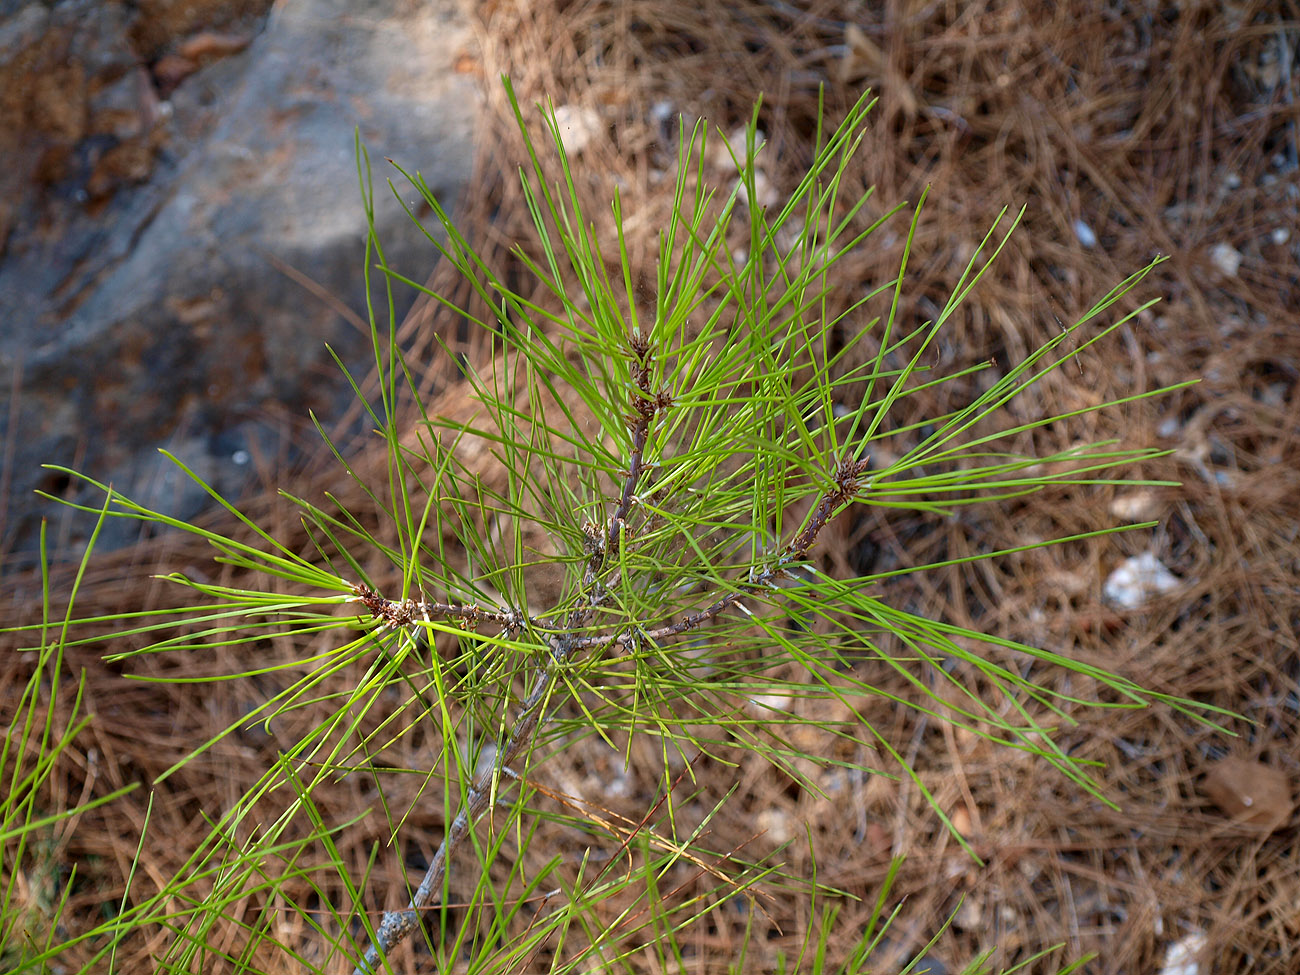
{"x": 1183, "y": 957}
{"x": 1137, "y": 580}
{"x": 1226, "y": 258}
{"x": 578, "y": 127}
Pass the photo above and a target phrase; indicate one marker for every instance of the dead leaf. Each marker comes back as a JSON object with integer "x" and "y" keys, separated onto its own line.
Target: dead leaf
{"x": 878, "y": 840}
{"x": 208, "y": 45}
{"x": 1250, "y": 792}
{"x": 961, "y": 821}
{"x": 863, "y": 57}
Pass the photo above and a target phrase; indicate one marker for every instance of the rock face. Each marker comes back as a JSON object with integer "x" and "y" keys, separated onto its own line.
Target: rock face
{"x": 164, "y": 164}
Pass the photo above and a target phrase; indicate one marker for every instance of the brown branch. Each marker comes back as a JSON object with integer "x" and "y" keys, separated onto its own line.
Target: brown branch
{"x": 846, "y": 488}
{"x": 643, "y": 412}
{"x": 645, "y": 407}
{"x": 409, "y": 612}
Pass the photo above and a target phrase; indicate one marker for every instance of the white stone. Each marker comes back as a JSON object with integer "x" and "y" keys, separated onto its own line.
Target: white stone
{"x": 1181, "y": 956}
{"x": 766, "y": 705}
{"x": 1137, "y": 580}
{"x": 1139, "y": 505}
{"x": 776, "y": 824}
{"x": 579, "y": 126}
{"x": 1226, "y": 258}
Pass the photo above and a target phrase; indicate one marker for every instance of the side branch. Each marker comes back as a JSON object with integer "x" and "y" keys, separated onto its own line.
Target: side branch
{"x": 603, "y": 546}
{"x": 409, "y": 612}
{"x": 846, "y": 488}
{"x": 645, "y": 406}
{"x": 847, "y": 485}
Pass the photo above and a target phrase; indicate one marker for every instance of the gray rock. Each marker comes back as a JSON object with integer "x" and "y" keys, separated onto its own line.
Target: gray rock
{"x": 148, "y": 311}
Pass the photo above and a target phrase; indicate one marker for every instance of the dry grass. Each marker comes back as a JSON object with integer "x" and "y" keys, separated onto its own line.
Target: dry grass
{"x": 1159, "y": 129}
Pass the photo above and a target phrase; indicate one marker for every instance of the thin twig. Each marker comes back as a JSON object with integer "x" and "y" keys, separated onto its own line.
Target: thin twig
{"x": 397, "y": 926}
